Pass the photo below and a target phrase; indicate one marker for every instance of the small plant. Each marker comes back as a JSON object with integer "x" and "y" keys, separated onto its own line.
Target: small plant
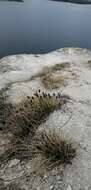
{"x": 31, "y": 112}
{"x": 52, "y": 149}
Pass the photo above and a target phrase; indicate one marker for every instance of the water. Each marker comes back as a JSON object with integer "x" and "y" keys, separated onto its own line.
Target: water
{"x": 38, "y": 26}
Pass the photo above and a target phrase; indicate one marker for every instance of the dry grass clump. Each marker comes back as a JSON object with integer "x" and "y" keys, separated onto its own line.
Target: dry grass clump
{"x": 4, "y": 107}
{"x": 89, "y": 63}
{"x": 31, "y": 112}
{"x": 51, "y": 149}
{"x": 52, "y": 69}
{"x": 49, "y": 80}
{"x": 60, "y": 66}
{"x": 16, "y": 148}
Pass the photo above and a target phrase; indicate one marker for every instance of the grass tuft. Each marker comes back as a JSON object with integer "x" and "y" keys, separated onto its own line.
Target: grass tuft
{"x": 51, "y": 81}
{"x": 4, "y": 107}
{"x": 51, "y": 149}
{"x": 48, "y": 77}
{"x": 89, "y": 63}
{"x": 60, "y": 66}
{"x": 31, "y": 112}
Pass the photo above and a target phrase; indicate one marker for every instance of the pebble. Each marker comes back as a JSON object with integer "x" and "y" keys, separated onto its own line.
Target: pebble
{"x": 51, "y": 187}
{"x": 69, "y": 187}
{"x": 13, "y": 162}
{"x": 58, "y": 177}
{"x": 38, "y": 188}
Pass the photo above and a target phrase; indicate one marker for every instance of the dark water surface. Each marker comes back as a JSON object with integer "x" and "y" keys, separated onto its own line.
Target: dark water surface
{"x": 38, "y": 26}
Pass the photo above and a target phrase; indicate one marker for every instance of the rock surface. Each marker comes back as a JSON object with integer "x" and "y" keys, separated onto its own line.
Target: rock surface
{"x": 16, "y": 81}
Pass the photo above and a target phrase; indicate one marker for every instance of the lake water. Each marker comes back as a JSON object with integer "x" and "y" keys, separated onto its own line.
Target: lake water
{"x": 38, "y": 26}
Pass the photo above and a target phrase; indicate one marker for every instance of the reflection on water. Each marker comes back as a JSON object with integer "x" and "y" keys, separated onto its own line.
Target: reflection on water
{"x": 38, "y": 26}
{"x": 75, "y": 1}
{"x": 13, "y": 0}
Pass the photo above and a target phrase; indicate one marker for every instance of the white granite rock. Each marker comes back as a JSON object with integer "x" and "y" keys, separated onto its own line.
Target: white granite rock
{"x": 15, "y": 78}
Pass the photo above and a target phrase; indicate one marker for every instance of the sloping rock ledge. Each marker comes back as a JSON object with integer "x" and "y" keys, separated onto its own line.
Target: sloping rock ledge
{"x": 17, "y": 81}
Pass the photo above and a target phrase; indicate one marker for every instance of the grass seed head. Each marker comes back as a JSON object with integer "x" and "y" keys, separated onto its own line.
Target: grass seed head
{"x": 30, "y": 113}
